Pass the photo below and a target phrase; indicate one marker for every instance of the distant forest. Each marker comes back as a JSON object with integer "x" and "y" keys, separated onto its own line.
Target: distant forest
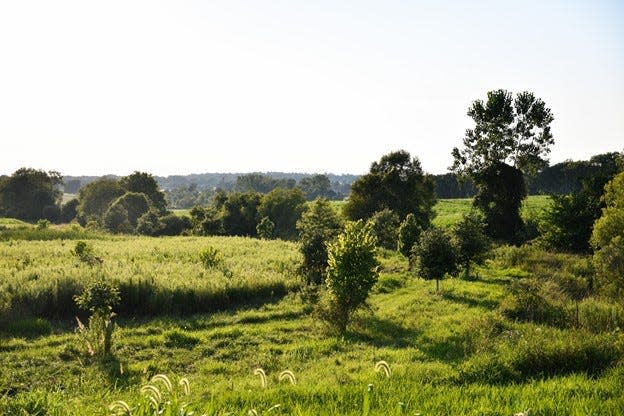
{"x": 185, "y": 191}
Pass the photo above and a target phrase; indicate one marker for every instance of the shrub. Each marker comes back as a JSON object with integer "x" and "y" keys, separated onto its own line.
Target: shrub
{"x": 98, "y": 298}
{"x": 318, "y": 226}
{"x": 210, "y": 257}
{"x": 265, "y": 228}
{"x": 43, "y": 224}
{"x": 409, "y": 232}
{"x": 85, "y": 253}
{"x": 434, "y": 255}
{"x": 471, "y": 242}
{"x": 174, "y": 224}
{"x": 385, "y": 228}
{"x": 352, "y": 271}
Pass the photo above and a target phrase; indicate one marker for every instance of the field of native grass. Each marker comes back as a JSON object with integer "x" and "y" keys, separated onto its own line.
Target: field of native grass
{"x": 483, "y": 346}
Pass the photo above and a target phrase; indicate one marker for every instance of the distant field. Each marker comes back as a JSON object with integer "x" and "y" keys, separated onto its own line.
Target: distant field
{"x": 450, "y": 211}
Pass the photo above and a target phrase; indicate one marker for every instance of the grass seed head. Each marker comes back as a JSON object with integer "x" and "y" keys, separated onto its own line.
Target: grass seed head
{"x": 185, "y": 386}
{"x": 383, "y": 366}
{"x": 152, "y": 392}
{"x": 260, "y": 373}
{"x": 287, "y": 374}
{"x": 164, "y": 380}
{"x": 120, "y": 408}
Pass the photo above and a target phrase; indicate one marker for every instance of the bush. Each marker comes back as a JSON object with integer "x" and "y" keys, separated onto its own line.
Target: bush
{"x": 85, "y": 253}
{"x": 352, "y": 271}
{"x": 385, "y": 228}
{"x": 265, "y": 228}
{"x": 98, "y": 298}
{"x": 470, "y": 240}
{"x": 210, "y": 257}
{"x": 318, "y": 226}
{"x": 409, "y": 233}
{"x": 174, "y": 224}
{"x": 434, "y": 255}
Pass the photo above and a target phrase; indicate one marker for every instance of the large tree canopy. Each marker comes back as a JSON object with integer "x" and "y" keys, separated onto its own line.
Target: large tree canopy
{"x": 145, "y": 183}
{"x": 507, "y": 130}
{"x": 28, "y": 193}
{"x": 397, "y": 182}
{"x": 511, "y": 137}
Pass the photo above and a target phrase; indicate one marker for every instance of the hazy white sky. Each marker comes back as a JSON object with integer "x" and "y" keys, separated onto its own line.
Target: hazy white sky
{"x": 310, "y": 86}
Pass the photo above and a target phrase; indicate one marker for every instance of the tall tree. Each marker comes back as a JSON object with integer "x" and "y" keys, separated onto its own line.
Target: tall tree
{"x": 95, "y": 198}
{"x": 29, "y": 193}
{"x": 145, "y": 183}
{"x": 396, "y": 182}
{"x": 283, "y": 207}
{"x": 511, "y": 137}
{"x": 316, "y": 186}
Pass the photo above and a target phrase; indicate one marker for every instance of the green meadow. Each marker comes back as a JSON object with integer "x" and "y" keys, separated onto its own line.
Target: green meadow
{"x": 465, "y": 350}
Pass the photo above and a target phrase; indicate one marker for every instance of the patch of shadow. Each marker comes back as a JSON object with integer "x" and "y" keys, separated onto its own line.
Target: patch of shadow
{"x": 381, "y": 332}
{"x": 261, "y": 317}
{"x": 481, "y": 303}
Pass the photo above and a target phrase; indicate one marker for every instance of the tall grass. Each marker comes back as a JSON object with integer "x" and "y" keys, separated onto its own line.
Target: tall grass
{"x": 154, "y": 276}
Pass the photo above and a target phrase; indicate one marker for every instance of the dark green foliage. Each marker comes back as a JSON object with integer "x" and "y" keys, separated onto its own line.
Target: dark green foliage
{"x": 451, "y": 185}
{"x": 95, "y": 199}
{"x": 317, "y": 186}
{"x": 238, "y": 212}
{"x": 409, "y": 233}
{"x": 116, "y": 219}
{"x": 608, "y": 238}
{"x": 28, "y": 192}
{"x": 99, "y": 296}
{"x": 396, "y": 182}
{"x": 150, "y": 223}
{"x": 173, "y": 224}
{"x": 500, "y": 191}
{"x": 69, "y": 210}
{"x": 352, "y": 271}
{"x": 144, "y": 183}
{"x": 211, "y": 223}
{"x": 434, "y": 256}
{"x": 567, "y": 224}
{"x": 318, "y": 226}
{"x": 283, "y": 207}
{"x": 257, "y": 182}
{"x": 511, "y": 137}
{"x": 386, "y": 228}
{"x": 136, "y": 205}
{"x": 265, "y": 228}
{"x": 568, "y": 177}
{"x": 470, "y": 240}
{"x": 51, "y": 213}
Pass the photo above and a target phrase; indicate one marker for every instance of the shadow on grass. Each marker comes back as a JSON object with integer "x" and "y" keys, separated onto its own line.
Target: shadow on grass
{"x": 115, "y": 371}
{"x": 381, "y": 332}
{"x": 469, "y": 301}
{"x": 499, "y": 281}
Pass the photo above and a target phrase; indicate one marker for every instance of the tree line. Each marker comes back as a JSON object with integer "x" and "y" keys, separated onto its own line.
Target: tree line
{"x": 391, "y": 206}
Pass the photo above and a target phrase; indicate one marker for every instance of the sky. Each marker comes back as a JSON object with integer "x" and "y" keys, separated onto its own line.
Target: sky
{"x": 179, "y": 87}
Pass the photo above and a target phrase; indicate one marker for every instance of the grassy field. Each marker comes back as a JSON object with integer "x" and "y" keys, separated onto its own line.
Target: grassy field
{"x": 465, "y": 350}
